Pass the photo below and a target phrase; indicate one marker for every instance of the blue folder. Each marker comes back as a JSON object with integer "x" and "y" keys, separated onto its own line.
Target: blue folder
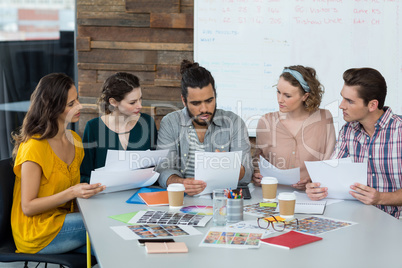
{"x": 136, "y": 199}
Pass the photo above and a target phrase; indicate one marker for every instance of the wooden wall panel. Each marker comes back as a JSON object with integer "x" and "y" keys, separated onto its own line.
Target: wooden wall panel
{"x": 128, "y": 34}
{"x": 118, "y": 56}
{"x": 146, "y": 78}
{"x": 148, "y": 38}
{"x": 179, "y": 21}
{"x": 165, "y": 6}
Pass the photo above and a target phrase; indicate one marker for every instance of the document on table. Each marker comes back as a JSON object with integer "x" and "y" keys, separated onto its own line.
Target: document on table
{"x": 220, "y": 170}
{"x": 119, "y": 180}
{"x": 133, "y": 232}
{"x": 169, "y": 218}
{"x": 338, "y": 175}
{"x": 122, "y": 160}
{"x": 232, "y": 238}
{"x": 284, "y": 176}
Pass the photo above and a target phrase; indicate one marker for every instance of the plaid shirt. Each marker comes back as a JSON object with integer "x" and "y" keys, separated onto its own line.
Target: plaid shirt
{"x": 383, "y": 152}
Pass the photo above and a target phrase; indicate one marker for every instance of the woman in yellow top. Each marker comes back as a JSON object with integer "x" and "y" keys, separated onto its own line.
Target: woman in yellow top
{"x": 47, "y": 168}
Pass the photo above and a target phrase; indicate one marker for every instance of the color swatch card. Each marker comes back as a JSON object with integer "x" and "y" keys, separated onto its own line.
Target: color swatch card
{"x": 153, "y": 231}
{"x": 232, "y": 238}
{"x": 169, "y": 218}
{"x": 155, "y": 198}
{"x": 291, "y": 239}
{"x": 198, "y": 210}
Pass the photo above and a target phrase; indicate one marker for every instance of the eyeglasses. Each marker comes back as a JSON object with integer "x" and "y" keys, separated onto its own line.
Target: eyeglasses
{"x": 278, "y": 223}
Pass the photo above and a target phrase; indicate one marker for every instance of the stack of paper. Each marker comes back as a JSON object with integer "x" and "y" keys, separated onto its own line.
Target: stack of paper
{"x": 128, "y": 169}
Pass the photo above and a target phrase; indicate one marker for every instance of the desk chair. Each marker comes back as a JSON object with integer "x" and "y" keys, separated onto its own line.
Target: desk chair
{"x": 7, "y": 246}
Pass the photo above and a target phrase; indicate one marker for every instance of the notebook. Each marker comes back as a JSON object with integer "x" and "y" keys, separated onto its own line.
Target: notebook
{"x": 291, "y": 239}
{"x": 173, "y": 247}
{"x": 155, "y": 198}
{"x": 308, "y": 207}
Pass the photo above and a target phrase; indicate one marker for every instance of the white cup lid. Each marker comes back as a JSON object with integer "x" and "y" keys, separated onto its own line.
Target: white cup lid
{"x": 286, "y": 196}
{"x": 269, "y": 180}
{"x": 176, "y": 187}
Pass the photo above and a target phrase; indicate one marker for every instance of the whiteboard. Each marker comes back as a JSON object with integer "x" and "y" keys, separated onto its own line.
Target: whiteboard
{"x": 247, "y": 43}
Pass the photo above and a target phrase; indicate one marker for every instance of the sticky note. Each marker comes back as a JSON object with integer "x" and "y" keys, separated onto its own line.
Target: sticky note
{"x": 271, "y": 205}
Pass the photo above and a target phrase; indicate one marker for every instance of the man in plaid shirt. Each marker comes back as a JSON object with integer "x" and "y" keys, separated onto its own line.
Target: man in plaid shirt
{"x": 372, "y": 134}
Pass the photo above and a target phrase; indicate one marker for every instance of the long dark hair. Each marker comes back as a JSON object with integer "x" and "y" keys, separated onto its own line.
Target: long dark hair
{"x": 48, "y": 101}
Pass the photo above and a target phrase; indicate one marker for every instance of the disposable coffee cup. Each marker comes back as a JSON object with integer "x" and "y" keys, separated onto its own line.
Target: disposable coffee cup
{"x": 287, "y": 203}
{"x": 176, "y": 195}
{"x": 269, "y": 186}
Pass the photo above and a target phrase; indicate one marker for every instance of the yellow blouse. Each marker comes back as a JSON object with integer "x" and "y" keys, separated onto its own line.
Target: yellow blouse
{"x": 32, "y": 234}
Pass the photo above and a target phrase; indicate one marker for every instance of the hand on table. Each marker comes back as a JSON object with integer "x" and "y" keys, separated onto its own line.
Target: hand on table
{"x": 315, "y": 192}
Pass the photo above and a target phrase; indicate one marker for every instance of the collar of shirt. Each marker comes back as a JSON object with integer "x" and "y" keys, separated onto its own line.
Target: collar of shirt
{"x": 382, "y": 122}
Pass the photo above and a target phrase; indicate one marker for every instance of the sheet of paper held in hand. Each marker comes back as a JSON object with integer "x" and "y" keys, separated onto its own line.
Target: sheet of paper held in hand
{"x": 126, "y": 170}
{"x": 220, "y": 170}
{"x": 122, "y": 160}
{"x": 124, "y": 179}
{"x": 338, "y": 175}
{"x": 284, "y": 176}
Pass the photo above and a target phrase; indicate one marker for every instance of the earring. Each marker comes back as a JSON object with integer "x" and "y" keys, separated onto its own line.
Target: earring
{"x": 111, "y": 108}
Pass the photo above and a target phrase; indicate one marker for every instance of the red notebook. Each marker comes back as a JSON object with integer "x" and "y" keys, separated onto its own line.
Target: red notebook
{"x": 291, "y": 239}
{"x": 155, "y": 198}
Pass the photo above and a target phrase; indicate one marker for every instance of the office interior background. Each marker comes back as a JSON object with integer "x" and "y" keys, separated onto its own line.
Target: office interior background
{"x": 90, "y": 40}
{"x": 36, "y": 38}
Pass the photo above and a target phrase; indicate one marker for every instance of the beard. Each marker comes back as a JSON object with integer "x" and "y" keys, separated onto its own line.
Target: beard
{"x": 202, "y": 122}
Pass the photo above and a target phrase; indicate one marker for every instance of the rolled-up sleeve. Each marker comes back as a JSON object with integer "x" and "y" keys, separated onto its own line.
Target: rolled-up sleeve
{"x": 168, "y": 139}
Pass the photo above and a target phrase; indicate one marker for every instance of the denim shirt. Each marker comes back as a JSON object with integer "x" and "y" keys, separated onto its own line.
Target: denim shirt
{"x": 227, "y": 132}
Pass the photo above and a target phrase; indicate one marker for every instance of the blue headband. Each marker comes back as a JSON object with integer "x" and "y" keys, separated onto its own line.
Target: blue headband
{"x": 299, "y": 77}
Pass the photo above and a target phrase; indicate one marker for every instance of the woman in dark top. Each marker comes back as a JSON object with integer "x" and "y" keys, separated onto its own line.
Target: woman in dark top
{"x": 122, "y": 127}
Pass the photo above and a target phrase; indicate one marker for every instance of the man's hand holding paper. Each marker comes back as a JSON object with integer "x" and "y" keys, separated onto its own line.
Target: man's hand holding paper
{"x": 334, "y": 178}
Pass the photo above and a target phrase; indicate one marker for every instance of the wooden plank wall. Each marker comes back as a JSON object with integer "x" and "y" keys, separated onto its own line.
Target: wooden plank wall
{"x": 148, "y": 38}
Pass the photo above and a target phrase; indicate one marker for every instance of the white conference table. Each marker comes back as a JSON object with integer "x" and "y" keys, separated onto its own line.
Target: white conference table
{"x": 376, "y": 241}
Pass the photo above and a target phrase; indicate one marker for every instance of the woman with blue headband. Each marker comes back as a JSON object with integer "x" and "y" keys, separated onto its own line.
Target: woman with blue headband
{"x": 299, "y": 131}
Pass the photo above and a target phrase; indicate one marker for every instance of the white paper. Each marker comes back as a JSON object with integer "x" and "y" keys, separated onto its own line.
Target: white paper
{"x": 284, "y": 176}
{"x": 154, "y": 231}
{"x": 220, "y": 170}
{"x": 123, "y": 160}
{"x": 338, "y": 175}
{"x": 169, "y": 218}
{"x": 124, "y": 179}
{"x": 303, "y": 197}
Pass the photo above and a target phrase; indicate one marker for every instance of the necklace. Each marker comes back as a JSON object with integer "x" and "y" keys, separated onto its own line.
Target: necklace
{"x": 120, "y": 133}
